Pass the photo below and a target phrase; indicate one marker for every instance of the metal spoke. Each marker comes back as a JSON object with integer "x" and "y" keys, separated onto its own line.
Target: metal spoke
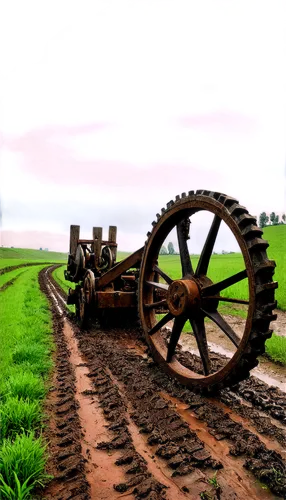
{"x": 187, "y": 268}
{"x": 161, "y": 323}
{"x": 228, "y": 299}
{"x": 163, "y": 286}
{"x": 218, "y": 287}
{"x": 224, "y": 326}
{"x": 198, "y": 326}
{"x": 203, "y": 264}
{"x": 175, "y": 335}
{"x": 155, "y": 304}
{"x": 168, "y": 280}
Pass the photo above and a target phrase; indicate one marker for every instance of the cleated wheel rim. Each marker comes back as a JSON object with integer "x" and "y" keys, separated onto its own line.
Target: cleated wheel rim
{"x": 194, "y": 297}
{"x": 89, "y": 287}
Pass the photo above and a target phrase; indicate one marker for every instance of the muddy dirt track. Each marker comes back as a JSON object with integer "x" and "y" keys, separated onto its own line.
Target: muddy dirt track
{"x": 120, "y": 428}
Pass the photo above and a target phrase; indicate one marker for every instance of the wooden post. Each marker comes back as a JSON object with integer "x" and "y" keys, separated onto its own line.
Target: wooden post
{"x": 74, "y": 237}
{"x": 97, "y": 239}
{"x": 112, "y": 238}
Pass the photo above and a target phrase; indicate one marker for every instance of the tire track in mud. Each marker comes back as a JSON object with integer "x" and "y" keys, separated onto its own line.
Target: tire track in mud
{"x": 27, "y": 264}
{"x": 194, "y": 417}
{"x": 9, "y": 283}
{"x": 66, "y": 462}
{"x": 143, "y": 381}
{"x": 100, "y": 469}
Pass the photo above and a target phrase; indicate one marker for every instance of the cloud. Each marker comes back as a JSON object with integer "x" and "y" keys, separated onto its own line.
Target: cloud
{"x": 226, "y": 122}
{"x": 45, "y": 153}
{"x": 128, "y": 218}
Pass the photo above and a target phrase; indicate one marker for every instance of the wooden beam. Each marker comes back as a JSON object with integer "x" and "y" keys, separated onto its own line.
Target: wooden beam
{"x": 103, "y": 242}
{"x": 112, "y": 238}
{"x": 74, "y": 237}
{"x": 116, "y": 271}
{"x": 97, "y": 240}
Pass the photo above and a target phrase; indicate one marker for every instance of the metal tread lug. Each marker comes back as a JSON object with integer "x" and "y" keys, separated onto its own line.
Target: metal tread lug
{"x": 237, "y": 209}
{"x": 215, "y": 195}
{"x": 257, "y": 242}
{"x": 228, "y": 202}
{"x": 251, "y": 228}
{"x": 266, "y": 286}
{"x": 245, "y": 219}
{"x": 170, "y": 204}
{"x": 265, "y": 265}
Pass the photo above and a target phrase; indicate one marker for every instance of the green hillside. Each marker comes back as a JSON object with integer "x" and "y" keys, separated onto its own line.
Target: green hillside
{"x": 17, "y": 256}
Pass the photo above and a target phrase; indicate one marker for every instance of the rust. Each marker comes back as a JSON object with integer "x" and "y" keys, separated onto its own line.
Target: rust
{"x": 138, "y": 281}
{"x": 105, "y": 300}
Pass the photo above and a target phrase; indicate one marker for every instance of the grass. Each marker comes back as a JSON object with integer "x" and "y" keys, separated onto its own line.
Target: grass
{"x": 22, "y": 465}
{"x": 276, "y": 348}
{"x": 4, "y": 278}
{"x": 25, "y": 362}
{"x": 18, "y": 414}
{"x": 17, "y": 256}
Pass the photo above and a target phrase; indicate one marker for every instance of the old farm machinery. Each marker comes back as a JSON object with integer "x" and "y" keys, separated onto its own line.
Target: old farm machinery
{"x": 139, "y": 285}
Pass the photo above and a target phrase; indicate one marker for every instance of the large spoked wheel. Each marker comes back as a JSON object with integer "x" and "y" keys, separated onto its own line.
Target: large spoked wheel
{"x": 194, "y": 296}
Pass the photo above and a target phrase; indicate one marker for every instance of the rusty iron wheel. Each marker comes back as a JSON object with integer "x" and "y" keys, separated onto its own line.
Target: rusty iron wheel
{"x": 89, "y": 287}
{"x": 195, "y": 297}
{"x": 81, "y": 308}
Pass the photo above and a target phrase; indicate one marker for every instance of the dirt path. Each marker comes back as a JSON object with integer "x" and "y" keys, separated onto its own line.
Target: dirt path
{"x": 135, "y": 433}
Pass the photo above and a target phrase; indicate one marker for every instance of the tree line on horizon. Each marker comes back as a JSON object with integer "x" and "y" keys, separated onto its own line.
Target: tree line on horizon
{"x": 274, "y": 219}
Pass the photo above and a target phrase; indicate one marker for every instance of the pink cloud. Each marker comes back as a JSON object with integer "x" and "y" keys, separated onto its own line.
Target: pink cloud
{"x": 220, "y": 121}
{"x": 35, "y": 239}
{"x": 50, "y": 160}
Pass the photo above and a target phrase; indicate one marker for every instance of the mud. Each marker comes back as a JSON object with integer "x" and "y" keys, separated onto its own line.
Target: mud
{"x": 142, "y": 382}
{"x": 27, "y": 264}
{"x": 7, "y": 284}
{"x": 166, "y": 441}
{"x": 63, "y": 433}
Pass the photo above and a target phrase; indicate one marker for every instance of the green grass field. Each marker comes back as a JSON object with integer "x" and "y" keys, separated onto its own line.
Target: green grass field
{"x": 276, "y": 348}
{"x": 25, "y": 363}
{"x": 4, "y": 278}
{"x": 17, "y": 256}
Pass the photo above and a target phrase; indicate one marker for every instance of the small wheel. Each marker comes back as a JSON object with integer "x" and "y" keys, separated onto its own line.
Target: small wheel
{"x": 89, "y": 287}
{"x": 106, "y": 259}
{"x": 79, "y": 263}
{"x": 194, "y": 297}
{"x": 85, "y": 297}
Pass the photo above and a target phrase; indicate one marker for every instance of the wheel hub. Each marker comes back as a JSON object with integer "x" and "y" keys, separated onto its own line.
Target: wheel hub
{"x": 183, "y": 297}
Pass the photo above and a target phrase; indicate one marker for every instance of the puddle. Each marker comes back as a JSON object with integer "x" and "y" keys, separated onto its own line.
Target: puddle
{"x": 188, "y": 343}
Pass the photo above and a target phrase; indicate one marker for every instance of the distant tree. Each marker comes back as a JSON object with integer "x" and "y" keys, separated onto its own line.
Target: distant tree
{"x": 263, "y": 219}
{"x": 284, "y": 218}
{"x": 276, "y": 220}
{"x": 163, "y": 250}
{"x": 171, "y": 249}
{"x": 272, "y": 218}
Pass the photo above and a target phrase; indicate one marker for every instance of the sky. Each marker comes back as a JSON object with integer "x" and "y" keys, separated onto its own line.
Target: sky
{"x": 108, "y": 109}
